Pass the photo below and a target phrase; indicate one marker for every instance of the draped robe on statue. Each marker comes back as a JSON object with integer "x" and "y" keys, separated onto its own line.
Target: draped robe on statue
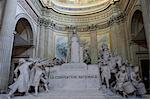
{"x": 22, "y": 81}
{"x": 75, "y": 49}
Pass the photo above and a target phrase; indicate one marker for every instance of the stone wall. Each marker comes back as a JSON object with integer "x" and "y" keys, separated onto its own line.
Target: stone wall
{"x": 114, "y": 20}
{"x": 13, "y": 11}
{"x": 87, "y": 24}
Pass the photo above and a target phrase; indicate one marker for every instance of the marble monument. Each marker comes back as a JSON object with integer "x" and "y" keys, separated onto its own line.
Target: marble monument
{"x": 110, "y": 74}
{"x": 75, "y": 75}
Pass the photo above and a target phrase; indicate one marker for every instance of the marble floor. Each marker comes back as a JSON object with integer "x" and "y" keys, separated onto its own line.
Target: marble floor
{"x": 72, "y": 95}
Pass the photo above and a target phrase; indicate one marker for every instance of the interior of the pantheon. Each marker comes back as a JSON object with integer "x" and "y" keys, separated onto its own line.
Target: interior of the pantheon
{"x": 43, "y": 29}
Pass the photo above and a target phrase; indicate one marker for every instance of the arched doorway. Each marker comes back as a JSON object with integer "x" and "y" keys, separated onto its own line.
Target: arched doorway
{"x": 139, "y": 46}
{"x": 23, "y": 43}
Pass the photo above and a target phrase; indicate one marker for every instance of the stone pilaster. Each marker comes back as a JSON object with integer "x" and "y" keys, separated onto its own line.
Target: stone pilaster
{"x": 38, "y": 39}
{"x": 46, "y": 42}
{"x": 94, "y": 51}
{"x": 121, "y": 39}
{"x": 6, "y": 42}
{"x": 118, "y": 39}
{"x": 41, "y": 39}
{"x": 69, "y": 47}
{"x": 49, "y": 43}
{"x": 114, "y": 30}
{"x": 117, "y": 32}
{"x": 52, "y": 44}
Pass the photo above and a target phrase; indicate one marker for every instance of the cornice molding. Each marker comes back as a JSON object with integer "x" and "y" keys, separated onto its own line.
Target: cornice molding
{"x": 78, "y": 9}
{"x": 84, "y": 23}
{"x": 80, "y": 28}
{"x": 99, "y": 17}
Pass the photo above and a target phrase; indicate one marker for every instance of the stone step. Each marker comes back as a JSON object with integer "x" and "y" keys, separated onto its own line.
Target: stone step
{"x": 72, "y": 95}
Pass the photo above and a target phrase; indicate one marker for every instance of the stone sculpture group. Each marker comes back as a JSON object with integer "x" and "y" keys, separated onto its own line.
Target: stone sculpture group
{"x": 114, "y": 73}
{"x": 32, "y": 73}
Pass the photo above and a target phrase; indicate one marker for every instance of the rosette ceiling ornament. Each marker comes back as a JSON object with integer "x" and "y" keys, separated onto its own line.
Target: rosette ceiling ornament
{"x": 77, "y": 7}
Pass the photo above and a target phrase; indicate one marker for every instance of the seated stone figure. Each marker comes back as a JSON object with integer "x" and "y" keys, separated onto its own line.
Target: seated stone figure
{"x": 121, "y": 77}
{"x": 116, "y": 73}
{"x": 123, "y": 84}
{"x": 86, "y": 57}
{"x": 137, "y": 81}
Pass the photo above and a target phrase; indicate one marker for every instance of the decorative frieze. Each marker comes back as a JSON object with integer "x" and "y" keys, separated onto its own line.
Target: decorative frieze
{"x": 116, "y": 18}
{"x": 80, "y": 28}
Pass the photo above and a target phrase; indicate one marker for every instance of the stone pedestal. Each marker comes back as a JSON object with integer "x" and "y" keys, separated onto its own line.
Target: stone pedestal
{"x": 75, "y": 76}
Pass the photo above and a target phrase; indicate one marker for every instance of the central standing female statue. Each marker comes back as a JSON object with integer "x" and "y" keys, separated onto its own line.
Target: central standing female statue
{"x": 75, "y": 48}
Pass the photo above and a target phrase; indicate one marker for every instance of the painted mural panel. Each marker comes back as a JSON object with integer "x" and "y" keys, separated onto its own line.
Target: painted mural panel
{"x": 61, "y": 47}
{"x": 103, "y": 38}
{"x": 85, "y": 42}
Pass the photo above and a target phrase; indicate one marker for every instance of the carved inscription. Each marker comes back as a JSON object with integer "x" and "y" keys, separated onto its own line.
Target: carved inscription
{"x": 74, "y": 77}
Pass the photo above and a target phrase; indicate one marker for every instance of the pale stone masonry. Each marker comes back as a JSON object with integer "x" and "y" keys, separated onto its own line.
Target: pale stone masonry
{"x": 6, "y": 41}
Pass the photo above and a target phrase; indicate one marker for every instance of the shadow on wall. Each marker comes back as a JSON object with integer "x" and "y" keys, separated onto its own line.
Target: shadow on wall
{"x": 2, "y": 4}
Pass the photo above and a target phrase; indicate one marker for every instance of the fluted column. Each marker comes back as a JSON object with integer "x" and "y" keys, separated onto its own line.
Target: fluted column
{"x": 46, "y": 42}
{"x": 6, "y": 42}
